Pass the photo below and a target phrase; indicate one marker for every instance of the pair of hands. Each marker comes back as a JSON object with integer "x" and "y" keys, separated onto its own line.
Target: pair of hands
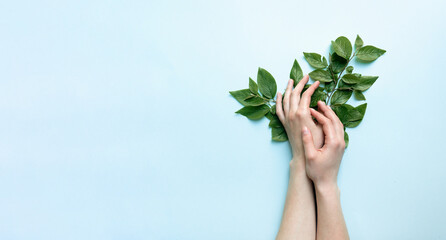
{"x": 317, "y": 147}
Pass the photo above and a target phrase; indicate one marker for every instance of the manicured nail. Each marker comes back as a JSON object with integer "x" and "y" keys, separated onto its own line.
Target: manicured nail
{"x": 305, "y": 131}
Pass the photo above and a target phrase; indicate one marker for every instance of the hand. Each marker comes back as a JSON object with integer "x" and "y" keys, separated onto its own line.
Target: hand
{"x": 322, "y": 165}
{"x": 294, "y": 113}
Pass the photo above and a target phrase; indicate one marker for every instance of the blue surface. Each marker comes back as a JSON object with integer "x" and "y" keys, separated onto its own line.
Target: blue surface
{"x": 116, "y": 122}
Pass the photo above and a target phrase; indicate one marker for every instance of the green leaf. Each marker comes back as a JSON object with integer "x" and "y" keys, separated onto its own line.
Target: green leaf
{"x": 337, "y": 63}
{"x": 356, "y": 115}
{"x": 255, "y": 101}
{"x": 267, "y": 84}
{"x": 253, "y": 87}
{"x": 345, "y": 86}
{"x": 349, "y": 69}
{"x": 249, "y": 97}
{"x": 353, "y": 124}
{"x": 241, "y": 95}
{"x": 369, "y": 53}
{"x": 269, "y": 115}
{"x": 358, "y": 42}
{"x": 246, "y": 98}
{"x": 358, "y": 95}
{"x": 329, "y": 87}
{"x": 296, "y": 73}
{"x": 318, "y": 95}
{"x": 347, "y": 113}
{"x": 362, "y": 108}
{"x": 342, "y": 47}
{"x": 278, "y": 134}
{"x": 365, "y": 83}
{"x": 346, "y": 139}
{"x": 341, "y": 97}
{"x": 254, "y": 112}
{"x": 275, "y": 123}
{"x": 351, "y": 78}
{"x": 273, "y": 109}
{"x": 315, "y": 61}
{"x": 341, "y": 111}
{"x": 320, "y": 75}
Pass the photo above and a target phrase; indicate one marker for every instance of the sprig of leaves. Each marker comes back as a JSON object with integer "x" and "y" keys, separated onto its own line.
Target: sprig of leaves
{"x": 338, "y": 84}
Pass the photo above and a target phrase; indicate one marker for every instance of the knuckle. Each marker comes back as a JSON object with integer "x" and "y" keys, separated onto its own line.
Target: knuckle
{"x": 336, "y": 143}
{"x": 296, "y": 94}
{"x": 292, "y": 116}
{"x": 300, "y": 114}
{"x": 339, "y": 143}
{"x": 311, "y": 156}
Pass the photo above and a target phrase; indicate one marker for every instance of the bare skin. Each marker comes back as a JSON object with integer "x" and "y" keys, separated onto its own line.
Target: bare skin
{"x": 322, "y": 167}
{"x": 299, "y": 216}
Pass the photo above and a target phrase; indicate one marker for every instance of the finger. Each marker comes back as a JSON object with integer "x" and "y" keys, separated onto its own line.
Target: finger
{"x": 306, "y": 97}
{"x": 327, "y": 126}
{"x": 330, "y": 114}
{"x": 328, "y": 111}
{"x": 286, "y": 99}
{"x": 319, "y": 116}
{"x": 295, "y": 95}
{"x": 300, "y": 86}
{"x": 307, "y": 139}
{"x": 279, "y": 108}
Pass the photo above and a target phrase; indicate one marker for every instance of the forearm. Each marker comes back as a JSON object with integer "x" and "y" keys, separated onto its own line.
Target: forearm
{"x": 330, "y": 220}
{"x": 299, "y": 214}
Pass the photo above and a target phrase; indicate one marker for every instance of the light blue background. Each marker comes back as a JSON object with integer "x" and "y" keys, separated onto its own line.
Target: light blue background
{"x": 116, "y": 122}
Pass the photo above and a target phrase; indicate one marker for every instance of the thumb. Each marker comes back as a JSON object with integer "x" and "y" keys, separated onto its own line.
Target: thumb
{"x": 307, "y": 139}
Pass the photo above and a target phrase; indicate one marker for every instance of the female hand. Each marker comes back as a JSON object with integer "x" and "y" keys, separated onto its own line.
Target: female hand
{"x": 294, "y": 113}
{"x": 322, "y": 164}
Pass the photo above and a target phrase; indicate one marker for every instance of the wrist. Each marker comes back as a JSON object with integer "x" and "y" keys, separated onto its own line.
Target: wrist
{"x": 326, "y": 188}
{"x": 297, "y": 149}
{"x": 297, "y": 165}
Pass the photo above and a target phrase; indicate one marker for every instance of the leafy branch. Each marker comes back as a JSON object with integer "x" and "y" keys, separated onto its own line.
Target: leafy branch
{"x": 258, "y": 99}
{"x": 335, "y": 79}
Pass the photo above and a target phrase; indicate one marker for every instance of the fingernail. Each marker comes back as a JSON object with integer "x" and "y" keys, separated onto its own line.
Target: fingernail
{"x": 305, "y": 131}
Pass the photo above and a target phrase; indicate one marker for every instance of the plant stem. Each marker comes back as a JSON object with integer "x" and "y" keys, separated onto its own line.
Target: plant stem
{"x": 336, "y": 83}
{"x": 339, "y": 77}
